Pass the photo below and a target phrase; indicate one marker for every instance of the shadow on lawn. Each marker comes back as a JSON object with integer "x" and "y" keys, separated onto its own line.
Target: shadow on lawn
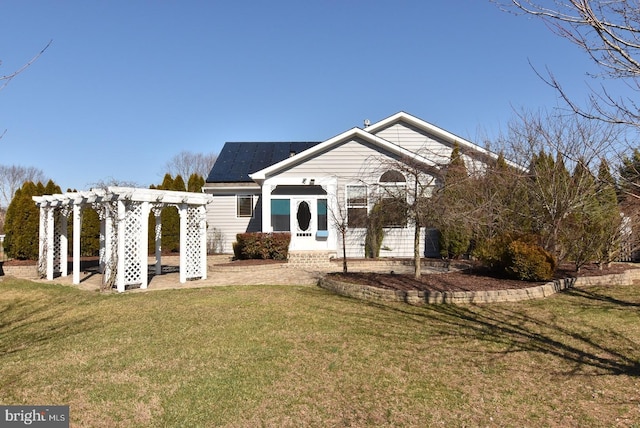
{"x": 603, "y": 349}
{"x": 598, "y": 298}
{"x": 25, "y": 324}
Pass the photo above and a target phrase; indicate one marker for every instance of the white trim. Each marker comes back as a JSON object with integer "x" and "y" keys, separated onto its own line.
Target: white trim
{"x": 254, "y": 200}
{"x": 260, "y": 176}
{"x": 428, "y": 127}
{"x": 436, "y": 131}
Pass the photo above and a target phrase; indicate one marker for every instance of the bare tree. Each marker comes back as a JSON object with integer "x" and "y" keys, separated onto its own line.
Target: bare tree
{"x": 12, "y": 177}
{"x": 187, "y": 163}
{"x": 404, "y": 194}
{"x": 113, "y": 182}
{"x": 338, "y": 212}
{"x": 608, "y": 31}
{"x": 5, "y": 79}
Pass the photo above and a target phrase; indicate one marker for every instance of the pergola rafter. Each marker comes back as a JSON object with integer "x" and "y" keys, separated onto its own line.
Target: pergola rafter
{"x": 124, "y": 232}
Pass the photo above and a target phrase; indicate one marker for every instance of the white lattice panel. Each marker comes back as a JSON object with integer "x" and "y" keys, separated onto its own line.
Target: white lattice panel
{"x": 194, "y": 244}
{"x": 57, "y": 265}
{"x": 132, "y": 231}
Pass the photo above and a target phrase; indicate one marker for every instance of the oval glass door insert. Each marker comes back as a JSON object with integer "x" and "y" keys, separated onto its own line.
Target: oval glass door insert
{"x": 303, "y": 216}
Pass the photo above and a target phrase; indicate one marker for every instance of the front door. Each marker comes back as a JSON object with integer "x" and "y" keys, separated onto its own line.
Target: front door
{"x": 303, "y": 225}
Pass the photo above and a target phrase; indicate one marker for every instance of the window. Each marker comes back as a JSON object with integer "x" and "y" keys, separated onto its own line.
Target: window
{"x": 393, "y": 199}
{"x": 322, "y": 214}
{"x": 392, "y": 176}
{"x": 280, "y": 215}
{"x": 244, "y": 205}
{"x": 357, "y": 206}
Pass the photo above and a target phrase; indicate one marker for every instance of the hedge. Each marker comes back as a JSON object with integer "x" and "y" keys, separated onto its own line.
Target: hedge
{"x": 258, "y": 245}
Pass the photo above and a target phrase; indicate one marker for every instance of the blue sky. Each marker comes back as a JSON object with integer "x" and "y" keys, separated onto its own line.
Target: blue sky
{"x": 126, "y": 85}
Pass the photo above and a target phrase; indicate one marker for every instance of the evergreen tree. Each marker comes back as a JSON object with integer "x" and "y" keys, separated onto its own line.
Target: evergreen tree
{"x": 90, "y": 233}
{"x": 22, "y": 224}
{"x": 51, "y": 188}
{"x": 579, "y": 236}
{"x": 178, "y": 184}
{"x": 170, "y": 217}
{"x": 552, "y": 194}
{"x": 611, "y": 217}
{"x": 630, "y": 176}
{"x": 195, "y": 183}
{"x": 455, "y": 230}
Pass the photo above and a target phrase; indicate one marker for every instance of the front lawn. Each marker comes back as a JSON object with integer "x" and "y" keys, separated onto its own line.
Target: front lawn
{"x": 287, "y": 356}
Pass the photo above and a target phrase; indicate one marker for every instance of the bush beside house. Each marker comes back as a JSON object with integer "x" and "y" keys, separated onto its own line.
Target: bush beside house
{"x": 259, "y": 245}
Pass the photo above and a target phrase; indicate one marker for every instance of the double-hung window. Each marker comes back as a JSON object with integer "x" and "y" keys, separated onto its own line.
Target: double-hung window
{"x": 393, "y": 199}
{"x": 357, "y": 206}
{"x": 244, "y": 205}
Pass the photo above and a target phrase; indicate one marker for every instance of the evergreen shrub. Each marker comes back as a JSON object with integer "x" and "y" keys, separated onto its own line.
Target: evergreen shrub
{"x": 258, "y": 245}
{"x": 529, "y": 262}
{"x": 517, "y": 256}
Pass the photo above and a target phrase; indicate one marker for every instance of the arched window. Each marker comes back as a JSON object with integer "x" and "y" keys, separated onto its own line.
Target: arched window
{"x": 393, "y": 199}
{"x": 392, "y": 176}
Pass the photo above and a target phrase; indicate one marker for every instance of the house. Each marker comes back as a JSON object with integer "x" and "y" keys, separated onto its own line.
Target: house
{"x": 306, "y": 188}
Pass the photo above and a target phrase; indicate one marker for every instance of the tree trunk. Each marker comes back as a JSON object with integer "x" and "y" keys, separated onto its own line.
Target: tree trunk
{"x": 344, "y": 253}
{"x": 416, "y": 251}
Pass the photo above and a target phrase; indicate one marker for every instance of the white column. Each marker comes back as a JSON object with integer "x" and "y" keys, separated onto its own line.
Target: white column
{"x": 158, "y": 236}
{"x": 143, "y": 245}
{"x": 51, "y": 232}
{"x": 64, "y": 242}
{"x": 77, "y": 230}
{"x": 108, "y": 241}
{"x": 202, "y": 213}
{"x": 121, "y": 225}
{"x": 182, "y": 209}
{"x": 103, "y": 238}
{"x": 42, "y": 238}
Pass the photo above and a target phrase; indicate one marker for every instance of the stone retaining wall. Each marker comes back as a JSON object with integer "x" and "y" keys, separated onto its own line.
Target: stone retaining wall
{"x": 415, "y": 297}
{"x": 309, "y": 260}
{"x": 24, "y": 271}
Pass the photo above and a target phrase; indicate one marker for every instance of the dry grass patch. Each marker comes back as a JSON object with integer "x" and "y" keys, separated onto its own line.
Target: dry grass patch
{"x": 300, "y": 356}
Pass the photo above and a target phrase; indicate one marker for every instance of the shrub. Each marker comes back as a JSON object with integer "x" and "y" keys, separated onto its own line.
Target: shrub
{"x": 529, "y": 262}
{"x": 517, "y": 256}
{"x": 455, "y": 241}
{"x": 259, "y": 245}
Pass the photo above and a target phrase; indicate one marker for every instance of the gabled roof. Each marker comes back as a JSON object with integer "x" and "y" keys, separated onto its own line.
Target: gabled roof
{"x": 428, "y": 128}
{"x": 353, "y": 133}
{"x": 239, "y": 159}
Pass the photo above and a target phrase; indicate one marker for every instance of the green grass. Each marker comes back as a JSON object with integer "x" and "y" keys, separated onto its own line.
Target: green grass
{"x": 282, "y": 356}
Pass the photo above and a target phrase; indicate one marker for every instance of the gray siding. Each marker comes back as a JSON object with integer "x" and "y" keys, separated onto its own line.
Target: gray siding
{"x": 398, "y": 243}
{"x": 413, "y": 139}
{"x": 426, "y": 145}
{"x": 223, "y": 223}
{"x": 352, "y": 160}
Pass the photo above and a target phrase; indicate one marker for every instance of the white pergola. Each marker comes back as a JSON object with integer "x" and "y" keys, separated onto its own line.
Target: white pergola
{"x": 124, "y": 232}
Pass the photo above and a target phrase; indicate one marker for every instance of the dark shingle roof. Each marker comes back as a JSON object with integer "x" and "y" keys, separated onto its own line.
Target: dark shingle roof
{"x": 237, "y": 160}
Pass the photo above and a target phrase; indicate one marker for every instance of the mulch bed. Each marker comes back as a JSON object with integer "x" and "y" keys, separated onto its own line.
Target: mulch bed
{"x": 473, "y": 279}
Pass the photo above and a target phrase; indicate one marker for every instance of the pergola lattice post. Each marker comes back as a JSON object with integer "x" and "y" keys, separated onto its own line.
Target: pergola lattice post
{"x": 77, "y": 226}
